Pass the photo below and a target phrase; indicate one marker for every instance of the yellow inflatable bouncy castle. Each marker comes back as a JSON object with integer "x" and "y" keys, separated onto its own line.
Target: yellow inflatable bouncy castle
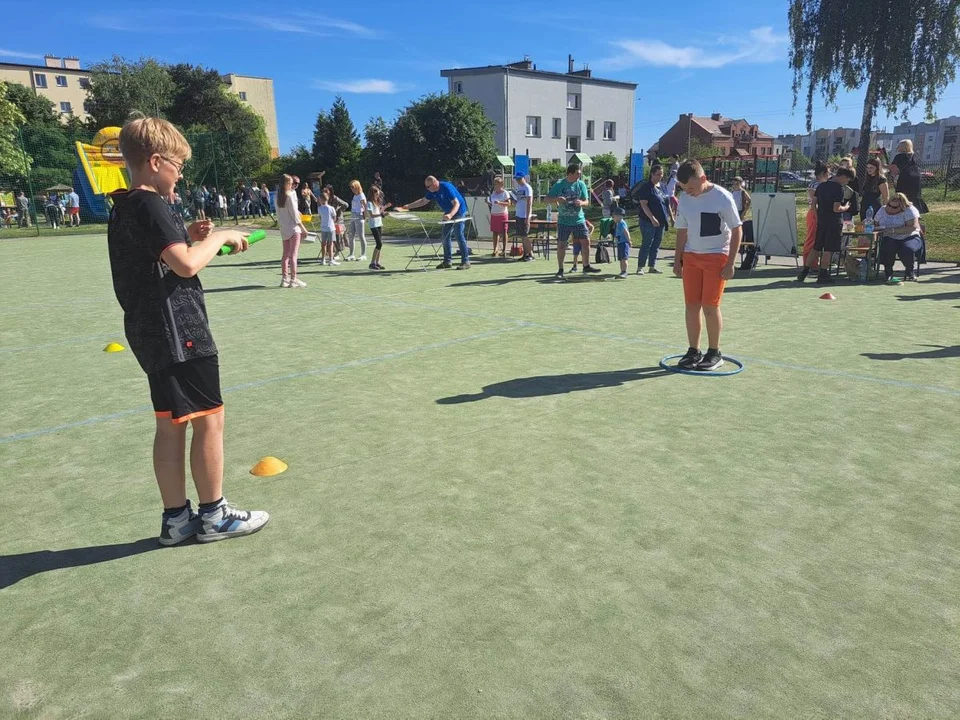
{"x": 100, "y": 172}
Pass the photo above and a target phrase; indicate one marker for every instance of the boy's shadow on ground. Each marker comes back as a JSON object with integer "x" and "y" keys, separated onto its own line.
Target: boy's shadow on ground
{"x": 542, "y": 385}
{"x": 14, "y": 568}
{"x": 941, "y": 352}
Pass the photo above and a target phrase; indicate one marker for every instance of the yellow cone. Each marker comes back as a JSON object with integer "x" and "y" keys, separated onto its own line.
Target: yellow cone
{"x": 268, "y": 467}
{"x": 114, "y": 347}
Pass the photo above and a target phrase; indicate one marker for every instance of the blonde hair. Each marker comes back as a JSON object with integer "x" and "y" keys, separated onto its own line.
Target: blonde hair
{"x": 904, "y": 202}
{"x": 141, "y": 138}
{"x": 282, "y": 190}
{"x": 907, "y": 146}
{"x": 356, "y": 187}
{"x": 848, "y": 160}
{"x": 497, "y": 180}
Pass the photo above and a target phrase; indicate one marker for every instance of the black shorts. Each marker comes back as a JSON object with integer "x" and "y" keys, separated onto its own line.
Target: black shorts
{"x": 187, "y": 390}
{"x": 829, "y": 236}
{"x": 522, "y": 226}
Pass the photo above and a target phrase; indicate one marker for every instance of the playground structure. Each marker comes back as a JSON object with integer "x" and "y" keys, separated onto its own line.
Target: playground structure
{"x": 100, "y": 172}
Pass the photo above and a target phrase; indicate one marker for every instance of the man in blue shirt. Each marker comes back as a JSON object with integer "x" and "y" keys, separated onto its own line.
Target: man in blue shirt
{"x": 454, "y": 208}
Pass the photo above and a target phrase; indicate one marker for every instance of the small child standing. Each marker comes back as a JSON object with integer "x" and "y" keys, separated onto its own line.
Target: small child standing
{"x": 375, "y": 208}
{"x": 358, "y": 216}
{"x": 499, "y": 202}
{"x": 621, "y": 235}
{"x": 154, "y": 261}
{"x": 328, "y": 229}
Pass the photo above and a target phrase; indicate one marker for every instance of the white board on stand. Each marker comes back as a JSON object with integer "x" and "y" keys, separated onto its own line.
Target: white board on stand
{"x": 480, "y": 211}
{"x": 775, "y": 223}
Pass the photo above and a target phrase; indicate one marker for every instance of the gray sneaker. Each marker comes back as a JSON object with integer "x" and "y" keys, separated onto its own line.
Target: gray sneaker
{"x": 225, "y": 521}
{"x": 177, "y": 528}
{"x": 654, "y": 271}
{"x": 639, "y": 271}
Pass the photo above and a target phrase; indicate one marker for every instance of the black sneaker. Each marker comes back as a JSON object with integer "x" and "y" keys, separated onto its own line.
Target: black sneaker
{"x": 529, "y": 258}
{"x": 823, "y": 277}
{"x": 713, "y": 360}
{"x": 910, "y": 278}
{"x": 444, "y": 266}
{"x": 463, "y": 266}
{"x": 690, "y": 360}
{"x": 803, "y": 274}
{"x": 591, "y": 269}
{"x": 560, "y": 277}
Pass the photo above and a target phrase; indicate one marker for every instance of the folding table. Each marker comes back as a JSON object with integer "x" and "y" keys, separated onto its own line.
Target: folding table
{"x": 436, "y": 249}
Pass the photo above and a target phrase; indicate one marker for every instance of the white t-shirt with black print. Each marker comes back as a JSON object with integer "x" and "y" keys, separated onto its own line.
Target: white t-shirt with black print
{"x": 708, "y": 219}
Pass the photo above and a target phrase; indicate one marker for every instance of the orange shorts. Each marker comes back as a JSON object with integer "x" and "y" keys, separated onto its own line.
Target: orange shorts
{"x": 702, "y": 284}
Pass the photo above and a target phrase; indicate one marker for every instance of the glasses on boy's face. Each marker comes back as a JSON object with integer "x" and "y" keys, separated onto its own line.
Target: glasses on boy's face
{"x": 893, "y": 206}
{"x": 178, "y": 166}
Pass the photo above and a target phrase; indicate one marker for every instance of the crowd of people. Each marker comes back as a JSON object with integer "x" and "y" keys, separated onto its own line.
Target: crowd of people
{"x": 836, "y": 198}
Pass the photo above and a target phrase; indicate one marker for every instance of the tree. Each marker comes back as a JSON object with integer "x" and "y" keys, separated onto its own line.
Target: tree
{"x": 377, "y": 155}
{"x": 443, "y": 135}
{"x": 12, "y": 159}
{"x": 904, "y": 53}
{"x": 549, "y": 172}
{"x": 800, "y": 162}
{"x": 605, "y": 166}
{"x": 297, "y": 162}
{"x": 36, "y": 109}
{"x": 119, "y": 87}
{"x": 336, "y": 145}
{"x": 702, "y": 151}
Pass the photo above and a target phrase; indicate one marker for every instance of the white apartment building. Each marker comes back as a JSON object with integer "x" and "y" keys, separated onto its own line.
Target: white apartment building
{"x": 550, "y": 115}
{"x": 932, "y": 142}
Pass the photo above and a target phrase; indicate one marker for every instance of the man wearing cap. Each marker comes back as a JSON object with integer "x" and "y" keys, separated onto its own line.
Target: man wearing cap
{"x": 523, "y": 194}
{"x": 454, "y": 207}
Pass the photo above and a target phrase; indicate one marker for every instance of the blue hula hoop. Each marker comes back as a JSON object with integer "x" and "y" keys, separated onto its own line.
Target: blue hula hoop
{"x": 682, "y": 371}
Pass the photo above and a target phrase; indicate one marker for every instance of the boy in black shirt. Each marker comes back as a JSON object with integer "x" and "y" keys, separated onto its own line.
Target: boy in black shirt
{"x": 830, "y": 209}
{"x": 154, "y": 261}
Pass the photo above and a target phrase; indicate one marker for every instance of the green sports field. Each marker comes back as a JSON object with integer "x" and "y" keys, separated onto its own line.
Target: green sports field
{"x": 497, "y": 505}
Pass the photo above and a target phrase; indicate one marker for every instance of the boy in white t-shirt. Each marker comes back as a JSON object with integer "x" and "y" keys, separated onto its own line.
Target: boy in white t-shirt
{"x": 523, "y": 194}
{"x": 328, "y": 226}
{"x": 708, "y": 240}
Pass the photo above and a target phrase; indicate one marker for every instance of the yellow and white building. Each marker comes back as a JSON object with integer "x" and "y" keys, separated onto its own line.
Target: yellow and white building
{"x": 65, "y": 83}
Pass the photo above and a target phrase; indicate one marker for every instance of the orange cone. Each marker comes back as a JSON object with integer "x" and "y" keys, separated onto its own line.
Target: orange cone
{"x": 268, "y": 467}
{"x": 828, "y": 296}
{"x": 114, "y": 347}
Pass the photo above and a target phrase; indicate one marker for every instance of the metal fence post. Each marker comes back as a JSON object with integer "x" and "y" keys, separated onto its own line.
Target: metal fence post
{"x": 946, "y": 174}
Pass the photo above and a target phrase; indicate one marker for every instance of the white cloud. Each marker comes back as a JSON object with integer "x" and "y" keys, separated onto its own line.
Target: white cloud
{"x": 18, "y": 54}
{"x": 305, "y": 24}
{"x": 368, "y": 87}
{"x": 760, "y": 45}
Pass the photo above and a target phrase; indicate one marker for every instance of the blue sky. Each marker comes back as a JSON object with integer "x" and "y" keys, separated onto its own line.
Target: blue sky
{"x": 731, "y": 60}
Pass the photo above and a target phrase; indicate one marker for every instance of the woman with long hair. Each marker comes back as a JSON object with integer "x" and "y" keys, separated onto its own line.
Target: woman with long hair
{"x": 875, "y": 188}
{"x": 292, "y": 231}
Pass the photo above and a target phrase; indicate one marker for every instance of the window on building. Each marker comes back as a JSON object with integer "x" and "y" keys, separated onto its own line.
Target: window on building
{"x": 87, "y": 105}
{"x": 534, "y": 162}
{"x": 61, "y": 80}
{"x": 557, "y": 128}
{"x": 85, "y": 83}
{"x": 533, "y": 126}
{"x": 589, "y": 129}
{"x": 555, "y": 161}
{"x": 609, "y": 130}
{"x": 66, "y": 107}
{"x": 458, "y": 88}
{"x": 243, "y": 95}
{"x": 573, "y": 101}
{"x": 40, "y": 80}
{"x": 573, "y": 143}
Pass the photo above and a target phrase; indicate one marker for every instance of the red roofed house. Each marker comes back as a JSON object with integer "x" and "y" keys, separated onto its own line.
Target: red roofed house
{"x": 732, "y": 137}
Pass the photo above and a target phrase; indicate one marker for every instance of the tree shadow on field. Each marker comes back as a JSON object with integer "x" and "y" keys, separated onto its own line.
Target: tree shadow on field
{"x": 14, "y": 568}
{"x": 931, "y": 296}
{"x": 543, "y": 385}
{"x": 941, "y": 352}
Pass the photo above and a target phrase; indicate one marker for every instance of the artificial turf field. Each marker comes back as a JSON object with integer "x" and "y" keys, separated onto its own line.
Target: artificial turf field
{"x": 496, "y": 504}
